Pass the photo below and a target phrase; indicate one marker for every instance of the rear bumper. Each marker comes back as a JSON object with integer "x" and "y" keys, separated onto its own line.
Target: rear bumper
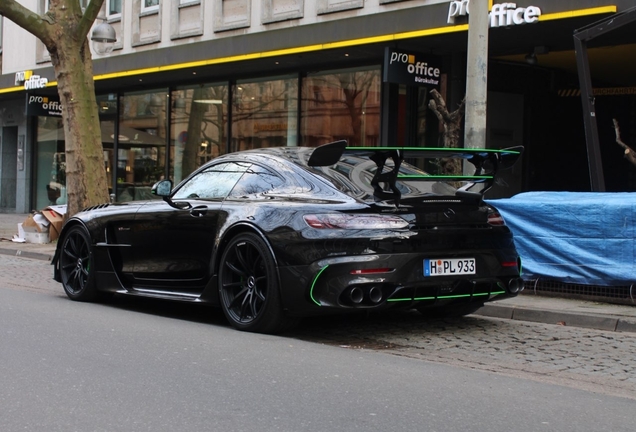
{"x": 397, "y": 280}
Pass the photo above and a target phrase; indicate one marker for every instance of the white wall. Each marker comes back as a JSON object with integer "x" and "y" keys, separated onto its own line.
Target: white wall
{"x": 20, "y": 46}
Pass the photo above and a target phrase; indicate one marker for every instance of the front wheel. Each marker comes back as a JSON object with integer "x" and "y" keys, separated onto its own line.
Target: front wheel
{"x": 248, "y": 286}
{"x": 76, "y": 265}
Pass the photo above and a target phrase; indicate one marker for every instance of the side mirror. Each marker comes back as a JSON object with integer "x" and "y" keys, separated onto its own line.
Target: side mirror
{"x": 162, "y": 188}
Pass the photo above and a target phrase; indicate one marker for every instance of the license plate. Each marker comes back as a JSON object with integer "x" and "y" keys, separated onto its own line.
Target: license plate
{"x": 449, "y": 267}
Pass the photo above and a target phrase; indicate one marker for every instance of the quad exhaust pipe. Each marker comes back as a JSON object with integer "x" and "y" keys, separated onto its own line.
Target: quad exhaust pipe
{"x": 367, "y": 296}
{"x": 515, "y": 285}
{"x": 375, "y": 295}
{"x": 356, "y": 295}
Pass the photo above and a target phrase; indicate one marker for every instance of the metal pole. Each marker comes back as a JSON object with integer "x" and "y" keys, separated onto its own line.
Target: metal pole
{"x": 594, "y": 159}
{"x": 476, "y": 75}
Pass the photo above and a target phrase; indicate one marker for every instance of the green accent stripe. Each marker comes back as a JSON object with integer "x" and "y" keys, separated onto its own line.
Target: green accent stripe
{"x": 452, "y": 177}
{"x": 313, "y": 284}
{"x": 442, "y": 149}
{"x": 446, "y": 297}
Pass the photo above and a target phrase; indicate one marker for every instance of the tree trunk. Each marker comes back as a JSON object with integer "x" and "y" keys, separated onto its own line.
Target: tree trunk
{"x": 86, "y": 181}
{"x": 63, "y": 29}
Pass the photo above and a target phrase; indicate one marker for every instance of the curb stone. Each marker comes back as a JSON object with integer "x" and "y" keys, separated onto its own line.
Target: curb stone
{"x": 592, "y": 321}
{"x": 27, "y": 254}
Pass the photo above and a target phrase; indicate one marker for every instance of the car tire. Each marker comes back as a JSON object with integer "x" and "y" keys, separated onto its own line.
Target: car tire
{"x": 248, "y": 286}
{"x": 450, "y": 311}
{"x": 76, "y": 265}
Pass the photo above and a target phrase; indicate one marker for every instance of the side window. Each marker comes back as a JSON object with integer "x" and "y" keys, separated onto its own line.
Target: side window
{"x": 213, "y": 183}
{"x": 113, "y": 9}
{"x": 256, "y": 180}
{"x": 149, "y": 5}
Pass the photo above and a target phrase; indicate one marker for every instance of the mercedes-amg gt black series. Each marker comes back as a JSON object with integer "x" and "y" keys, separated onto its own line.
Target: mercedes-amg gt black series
{"x": 275, "y": 234}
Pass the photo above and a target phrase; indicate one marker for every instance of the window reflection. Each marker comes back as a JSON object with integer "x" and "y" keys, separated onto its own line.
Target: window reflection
{"x": 264, "y": 113}
{"x": 256, "y": 180}
{"x": 141, "y": 153}
{"x": 342, "y": 104}
{"x": 215, "y": 182}
{"x": 51, "y": 166}
{"x": 198, "y": 127}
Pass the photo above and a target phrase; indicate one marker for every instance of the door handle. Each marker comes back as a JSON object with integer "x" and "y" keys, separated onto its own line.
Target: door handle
{"x": 199, "y": 211}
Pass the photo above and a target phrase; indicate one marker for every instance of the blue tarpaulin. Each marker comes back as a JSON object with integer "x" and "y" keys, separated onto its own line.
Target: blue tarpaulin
{"x": 574, "y": 237}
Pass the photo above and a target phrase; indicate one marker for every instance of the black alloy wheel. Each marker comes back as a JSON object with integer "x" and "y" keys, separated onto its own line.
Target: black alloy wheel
{"x": 76, "y": 265}
{"x": 248, "y": 286}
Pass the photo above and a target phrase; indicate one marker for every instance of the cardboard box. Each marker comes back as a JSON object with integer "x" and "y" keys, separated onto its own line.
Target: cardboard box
{"x": 35, "y": 223}
{"x": 56, "y": 220}
{"x": 48, "y": 221}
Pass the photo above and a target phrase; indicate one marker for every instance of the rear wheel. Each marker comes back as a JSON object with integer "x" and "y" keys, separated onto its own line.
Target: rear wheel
{"x": 76, "y": 265}
{"x": 248, "y": 286}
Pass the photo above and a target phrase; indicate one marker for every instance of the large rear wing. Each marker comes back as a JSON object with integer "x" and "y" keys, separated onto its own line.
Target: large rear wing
{"x": 487, "y": 163}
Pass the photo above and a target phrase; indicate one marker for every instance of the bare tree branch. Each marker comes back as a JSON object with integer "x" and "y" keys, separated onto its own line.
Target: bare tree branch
{"x": 452, "y": 124}
{"x": 629, "y": 152}
{"x": 90, "y": 14}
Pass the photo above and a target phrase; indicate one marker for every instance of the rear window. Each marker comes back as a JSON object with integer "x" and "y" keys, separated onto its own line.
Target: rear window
{"x": 256, "y": 180}
{"x": 353, "y": 175}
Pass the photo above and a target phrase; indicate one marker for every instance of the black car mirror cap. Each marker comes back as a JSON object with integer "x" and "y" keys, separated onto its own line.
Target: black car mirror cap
{"x": 162, "y": 188}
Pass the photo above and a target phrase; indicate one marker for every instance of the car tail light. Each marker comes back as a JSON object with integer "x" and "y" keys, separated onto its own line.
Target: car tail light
{"x": 355, "y": 221}
{"x": 495, "y": 218}
{"x": 371, "y": 271}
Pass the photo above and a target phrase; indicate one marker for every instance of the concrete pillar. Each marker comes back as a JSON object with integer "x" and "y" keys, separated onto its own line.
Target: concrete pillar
{"x": 476, "y": 75}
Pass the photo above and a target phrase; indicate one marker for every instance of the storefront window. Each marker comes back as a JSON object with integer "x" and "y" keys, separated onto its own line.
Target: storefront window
{"x": 264, "y": 113}
{"x": 343, "y": 104}
{"x": 198, "y": 127}
{"x": 51, "y": 163}
{"x": 107, "y": 108}
{"x": 141, "y": 150}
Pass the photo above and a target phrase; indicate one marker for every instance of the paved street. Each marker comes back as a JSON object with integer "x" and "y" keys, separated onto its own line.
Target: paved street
{"x": 135, "y": 365}
{"x": 586, "y": 359}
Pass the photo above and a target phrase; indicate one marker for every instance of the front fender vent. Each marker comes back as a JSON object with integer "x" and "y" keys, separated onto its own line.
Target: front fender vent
{"x": 95, "y": 207}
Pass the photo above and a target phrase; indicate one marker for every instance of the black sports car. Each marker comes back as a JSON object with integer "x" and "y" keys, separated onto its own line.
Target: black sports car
{"x": 275, "y": 234}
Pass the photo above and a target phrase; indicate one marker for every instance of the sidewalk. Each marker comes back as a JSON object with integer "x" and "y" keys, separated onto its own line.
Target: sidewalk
{"x": 9, "y": 227}
{"x": 525, "y": 307}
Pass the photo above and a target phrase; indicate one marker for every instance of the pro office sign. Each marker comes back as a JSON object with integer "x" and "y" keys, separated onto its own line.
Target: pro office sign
{"x": 43, "y": 106}
{"x": 501, "y": 15}
{"x": 412, "y": 69}
{"x": 30, "y": 81}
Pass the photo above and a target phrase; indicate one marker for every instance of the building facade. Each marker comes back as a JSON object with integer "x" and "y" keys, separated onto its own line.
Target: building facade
{"x": 188, "y": 80}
